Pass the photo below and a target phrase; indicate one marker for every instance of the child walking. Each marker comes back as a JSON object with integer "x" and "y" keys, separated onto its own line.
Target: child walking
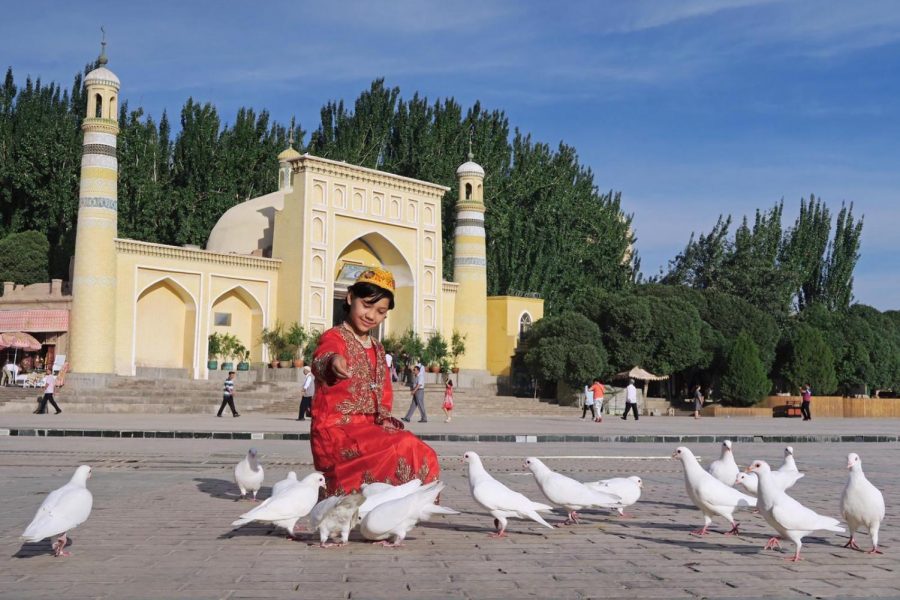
{"x": 228, "y": 396}
{"x": 448, "y": 401}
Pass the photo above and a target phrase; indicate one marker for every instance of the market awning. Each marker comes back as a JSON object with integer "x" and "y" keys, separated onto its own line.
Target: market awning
{"x": 19, "y": 340}
{"x": 34, "y": 321}
{"x": 641, "y": 374}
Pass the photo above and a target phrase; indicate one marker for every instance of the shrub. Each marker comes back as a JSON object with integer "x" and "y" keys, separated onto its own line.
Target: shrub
{"x": 744, "y": 382}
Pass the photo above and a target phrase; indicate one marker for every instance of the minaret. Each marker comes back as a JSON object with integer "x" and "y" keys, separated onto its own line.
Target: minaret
{"x": 92, "y": 339}
{"x": 284, "y": 163}
{"x": 470, "y": 265}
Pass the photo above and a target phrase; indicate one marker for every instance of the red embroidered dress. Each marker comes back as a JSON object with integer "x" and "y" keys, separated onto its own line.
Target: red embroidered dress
{"x": 354, "y": 438}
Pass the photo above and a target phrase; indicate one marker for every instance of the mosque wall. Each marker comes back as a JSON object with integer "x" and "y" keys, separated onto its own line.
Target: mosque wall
{"x": 169, "y": 299}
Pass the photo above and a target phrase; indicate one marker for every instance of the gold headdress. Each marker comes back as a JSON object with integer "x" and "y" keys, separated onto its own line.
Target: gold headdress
{"x": 379, "y": 277}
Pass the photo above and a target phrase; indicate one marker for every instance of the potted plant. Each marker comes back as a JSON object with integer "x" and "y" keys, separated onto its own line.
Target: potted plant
{"x": 273, "y": 340}
{"x": 412, "y": 345}
{"x": 229, "y": 350}
{"x": 296, "y": 338}
{"x": 243, "y": 356}
{"x": 435, "y": 352}
{"x": 284, "y": 359}
{"x": 457, "y": 349}
{"x": 213, "y": 350}
{"x": 311, "y": 345}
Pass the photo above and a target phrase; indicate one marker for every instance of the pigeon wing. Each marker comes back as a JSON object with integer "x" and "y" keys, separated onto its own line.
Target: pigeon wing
{"x": 793, "y": 516}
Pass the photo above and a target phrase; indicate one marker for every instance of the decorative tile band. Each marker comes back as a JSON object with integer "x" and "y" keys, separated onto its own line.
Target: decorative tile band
{"x": 470, "y": 222}
{"x": 469, "y": 261}
{"x": 99, "y": 149}
{"x": 103, "y": 161}
{"x": 472, "y": 231}
{"x": 93, "y": 202}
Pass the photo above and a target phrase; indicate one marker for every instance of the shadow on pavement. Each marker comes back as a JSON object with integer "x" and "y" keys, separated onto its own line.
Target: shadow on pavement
{"x": 42, "y": 548}
{"x": 228, "y": 490}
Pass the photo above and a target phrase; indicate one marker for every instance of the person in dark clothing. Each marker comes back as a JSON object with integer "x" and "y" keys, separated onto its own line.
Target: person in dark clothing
{"x": 228, "y": 396}
{"x": 806, "y": 397}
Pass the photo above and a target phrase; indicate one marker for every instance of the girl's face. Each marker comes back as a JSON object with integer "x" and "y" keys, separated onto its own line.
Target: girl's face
{"x": 365, "y": 315}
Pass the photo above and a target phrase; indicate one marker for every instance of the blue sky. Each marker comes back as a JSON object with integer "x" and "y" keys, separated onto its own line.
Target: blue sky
{"x": 691, "y": 108}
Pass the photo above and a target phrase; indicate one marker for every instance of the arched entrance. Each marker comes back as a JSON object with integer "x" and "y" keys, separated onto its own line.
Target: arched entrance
{"x": 374, "y": 250}
{"x": 165, "y": 327}
{"x": 239, "y": 313}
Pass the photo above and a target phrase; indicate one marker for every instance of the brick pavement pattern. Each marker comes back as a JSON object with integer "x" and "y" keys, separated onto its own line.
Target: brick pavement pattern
{"x": 160, "y": 528}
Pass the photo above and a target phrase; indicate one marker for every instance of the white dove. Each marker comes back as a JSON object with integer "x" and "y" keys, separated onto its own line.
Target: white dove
{"x": 751, "y": 482}
{"x": 285, "y": 483}
{"x": 788, "y": 517}
{"x": 498, "y": 499}
{"x": 395, "y": 518}
{"x": 862, "y": 505}
{"x": 248, "y": 474}
{"x": 376, "y": 487}
{"x": 626, "y": 488}
{"x": 288, "y": 506}
{"x": 63, "y": 509}
{"x": 787, "y": 474}
{"x": 568, "y": 492}
{"x": 710, "y": 495}
{"x": 724, "y": 468}
{"x": 336, "y": 516}
{"x": 392, "y": 493}
{"x": 789, "y": 465}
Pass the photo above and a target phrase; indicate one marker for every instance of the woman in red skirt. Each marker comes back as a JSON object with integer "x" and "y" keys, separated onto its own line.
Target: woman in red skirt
{"x": 354, "y": 437}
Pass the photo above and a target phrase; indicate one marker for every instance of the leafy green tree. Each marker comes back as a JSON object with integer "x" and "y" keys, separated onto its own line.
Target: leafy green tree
{"x": 626, "y": 325}
{"x": 808, "y": 359}
{"x": 567, "y": 347}
{"x": 23, "y": 258}
{"x": 744, "y": 381}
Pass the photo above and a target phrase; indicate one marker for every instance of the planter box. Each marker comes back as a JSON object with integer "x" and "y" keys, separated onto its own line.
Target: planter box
{"x": 244, "y": 366}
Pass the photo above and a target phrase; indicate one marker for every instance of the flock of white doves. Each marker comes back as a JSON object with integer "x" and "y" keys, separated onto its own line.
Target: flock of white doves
{"x": 386, "y": 513}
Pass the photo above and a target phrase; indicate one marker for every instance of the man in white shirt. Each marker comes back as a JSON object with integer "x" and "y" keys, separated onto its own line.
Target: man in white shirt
{"x": 309, "y": 390}
{"x": 10, "y": 371}
{"x": 630, "y": 400}
{"x": 49, "y": 388}
{"x": 389, "y": 361}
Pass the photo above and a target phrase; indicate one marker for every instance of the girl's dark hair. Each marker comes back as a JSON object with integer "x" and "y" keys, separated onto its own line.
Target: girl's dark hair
{"x": 450, "y": 382}
{"x": 370, "y": 293}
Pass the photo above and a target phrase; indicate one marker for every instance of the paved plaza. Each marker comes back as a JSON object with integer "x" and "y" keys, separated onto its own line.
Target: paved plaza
{"x": 160, "y": 526}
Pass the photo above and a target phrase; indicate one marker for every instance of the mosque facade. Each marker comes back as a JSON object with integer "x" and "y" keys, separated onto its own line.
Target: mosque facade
{"x": 287, "y": 256}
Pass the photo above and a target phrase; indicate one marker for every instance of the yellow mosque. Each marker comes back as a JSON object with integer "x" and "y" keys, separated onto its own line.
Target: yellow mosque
{"x": 286, "y": 256}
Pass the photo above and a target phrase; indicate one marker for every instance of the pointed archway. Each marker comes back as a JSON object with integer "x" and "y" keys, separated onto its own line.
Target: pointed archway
{"x": 239, "y": 313}
{"x": 165, "y": 326}
{"x": 375, "y": 250}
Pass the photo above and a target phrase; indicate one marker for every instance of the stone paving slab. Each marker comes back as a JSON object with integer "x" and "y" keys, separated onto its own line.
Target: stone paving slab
{"x": 500, "y": 429}
{"x": 160, "y": 528}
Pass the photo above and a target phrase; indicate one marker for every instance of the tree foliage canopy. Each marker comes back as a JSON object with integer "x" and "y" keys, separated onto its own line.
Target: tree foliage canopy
{"x": 566, "y": 347}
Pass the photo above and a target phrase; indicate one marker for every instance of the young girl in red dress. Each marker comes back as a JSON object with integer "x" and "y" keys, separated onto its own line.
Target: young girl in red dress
{"x": 353, "y": 435}
{"x": 448, "y": 401}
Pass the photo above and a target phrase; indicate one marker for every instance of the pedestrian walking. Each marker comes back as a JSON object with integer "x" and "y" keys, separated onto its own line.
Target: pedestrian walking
{"x": 599, "y": 392}
{"x": 448, "y": 401}
{"x": 418, "y": 395}
{"x": 630, "y": 400}
{"x": 309, "y": 390}
{"x": 698, "y": 401}
{"x": 588, "y": 403}
{"x": 49, "y": 387}
{"x": 228, "y": 396}
{"x": 389, "y": 361}
{"x": 806, "y": 397}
